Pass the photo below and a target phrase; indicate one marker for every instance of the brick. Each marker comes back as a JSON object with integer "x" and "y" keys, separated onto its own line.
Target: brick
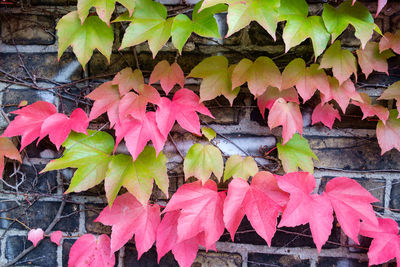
{"x": 28, "y": 30}
{"x": 44, "y": 255}
{"x": 214, "y": 259}
{"x": 40, "y": 215}
{"x": 395, "y": 196}
{"x": 54, "y": 2}
{"x": 148, "y": 259}
{"x": 66, "y": 247}
{"x": 260, "y": 37}
{"x": 222, "y": 111}
{"x": 259, "y": 260}
{"x": 91, "y": 213}
{"x": 330, "y": 261}
{"x": 12, "y": 97}
{"x": 350, "y": 153}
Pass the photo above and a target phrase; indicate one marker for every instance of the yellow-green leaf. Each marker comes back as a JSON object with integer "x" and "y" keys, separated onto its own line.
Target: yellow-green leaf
{"x": 238, "y": 167}
{"x": 209, "y": 133}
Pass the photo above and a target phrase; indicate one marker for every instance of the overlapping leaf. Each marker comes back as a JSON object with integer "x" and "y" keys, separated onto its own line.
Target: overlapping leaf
{"x": 370, "y": 110}
{"x": 7, "y": 149}
{"x": 269, "y": 97}
{"x": 392, "y": 92}
{"x": 168, "y": 75}
{"x": 127, "y": 80}
{"x": 390, "y": 41}
{"x": 326, "y": 114}
{"x": 370, "y": 59}
{"x": 388, "y": 134}
{"x": 342, "y": 94}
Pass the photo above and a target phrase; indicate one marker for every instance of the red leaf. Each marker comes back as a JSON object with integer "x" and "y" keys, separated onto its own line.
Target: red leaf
{"x": 127, "y": 79}
{"x": 351, "y": 203}
{"x": 201, "y": 211}
{"x": 261, "y": 202}
{"x": 341, "y": 93}
{"x": 267, "y": 99}
{"x": 370, "y": 110}
{"x": 182, "y": 108}
{"x": 168, "y": 75}
{"x": 7, "y": 149}
{"x": 128, "y": 217}
{"x": 326, "y": 114}
{"x": 305, "y": 208}
{"x": 91, "y": 251}
{"x": 35, "y": 235}
{"x": 386, "y": 241}
{"x": 29, "y": 121}
{"x": 55, "y": 237}
{"x": 288, "y": 116}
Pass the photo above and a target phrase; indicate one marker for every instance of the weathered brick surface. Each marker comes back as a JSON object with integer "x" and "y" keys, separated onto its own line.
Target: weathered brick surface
{"x": 258, "y": 260}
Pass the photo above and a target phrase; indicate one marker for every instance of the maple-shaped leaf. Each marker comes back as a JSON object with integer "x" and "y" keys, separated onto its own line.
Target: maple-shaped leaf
{"x": 287, "y": 115}
{"x": 201, "y": 209}
{"x": 150, "y": 24}
{"x": 300, "y": 26}
{"x": 386, "y": 241}
{"x": 311, "y": 79}
{"x": 392, "y": 92}
{"x": 182, "y": 108}
{"x": 217, "y": 78}
{"x": 269, "y": 97}
{"x": 390, "y": 41}
{"x": 35, "y": 236}
{"x": 326, "y": 114}
{"x": 351, "y": 203}
{"x": 341, "y": 93}
{"x": 137, "y": 133}
{"x": 254, "y": 74}
{"x": 388, "y": 134}
{"x": 168, "y": 75}
{"x": 104, "y": 8}
{"x": 127, "y": 79}
{"x": 342, "y": 62}
{"x": 58, "y": 126}
{"x": 238, "y": 167}
{"x": 28, "y": 122}
{"x": 7, "y": 149}
{"x": 371, "y": 59}
{"x": 201, "y": 161}
{"x": 304, "y": 207}
{"x": 129, "y": 217}
{"x": 337, "y": 19}
{"x": 90, "y": 154}
{"x": 370, "y": 110}
{"x": 292, "y": 73}
{"x": 84, "y": 38}
{"x": 55, "y": 237}
{"x": 261, "y": 202}
{"x": 137, "y": 176}
{"x": 296, "y": 154}
{"x": 92, "y": 251}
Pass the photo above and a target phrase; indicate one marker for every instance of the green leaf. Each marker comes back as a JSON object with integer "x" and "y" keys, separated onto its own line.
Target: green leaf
{"x": 209, "y": 133}
{"x": 201, "y": 161}
{"x": 204, "y": 22}
{"x": 84, "y": 38}
{"x": 124, "y": 17}
{"x": 137, "y": 176}
{"x": 182, "y": 28}
{"x": 104, "y": 8}
{"x": 337, "y": 19}
{"x": 150, "y": 24}
{"x": 237, "y": 167}
{"x": 293, "y": 8}
{"x": 296, "y": 153}
{"x": 89, "y": 154}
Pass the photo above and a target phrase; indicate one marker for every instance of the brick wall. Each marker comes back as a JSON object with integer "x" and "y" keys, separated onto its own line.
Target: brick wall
{"x": 29, "y": 70}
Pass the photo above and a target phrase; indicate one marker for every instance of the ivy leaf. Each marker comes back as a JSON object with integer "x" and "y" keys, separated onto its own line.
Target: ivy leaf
{"x": 342, "y": 62}
{"x": 351, "y": 203}
{"x": 293, "y": 73}
{"x": 55, "y": 237}
{"x": 269, "y": 97}
{"x": 390, "y": 41}
{"x": 201, "y": 161}
{"x": 168, "y": 75}
{"x": 84, "y": 38}
{"x": 326, "y": 114}
{"x": 90, "y": 250}
{"x": 209, "y": 133}
{"x": 35, "y": 236}
{"x": 296, "y": 154}
{"x": 341, "y": 93}
{"x": 237, "y": 167}
{"x": 129, "y": 217}
{"x": 287, "y": 115}
{"x": 7, "y": 149}
{"x": 392, "y": 92}
{"x": 370, "y": 110}
{"x": 201, "y": 209}
{"x": 388, "y": 133}
{"x": 261, "y": 202}
{"x": 127, "y": 80}
{"x": 337, "y": 19}
{"x": 104, "y": 8}
{"x": 371, "y": 59}
{"x": 217, "y": 78}
{"x": 89, "y": 154}
{"x": 150, "y": 24}
{"x": 304, "y": 207}
{"x": 182, "y": 28}
{"x": 314, "y": 78}
{"x": 254, "y": 74}
{"x": 137, "y": 176}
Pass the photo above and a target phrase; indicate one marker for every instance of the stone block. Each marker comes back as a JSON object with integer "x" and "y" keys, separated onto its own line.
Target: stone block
{"x": 217, "y": 259}
{"x": 259, "y": 260}
{"x": 21, "y": 29}
{"x": 395, "y": 196}
{"x": 66, "y": 247}
{"x": 54, "y": 2}
{"x": 148, "y": 259}
{"x": 44, "y": 255}
{"x": 330, "y": 261}
{"x": 92, "y": 211}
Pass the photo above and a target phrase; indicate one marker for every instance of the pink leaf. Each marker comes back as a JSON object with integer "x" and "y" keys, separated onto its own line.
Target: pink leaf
{"x": 35, "y": 235}
{"x": 127, "y": 79}
{"x": 390, "y": 41}
{"x": 91, "y": 252}
{"x": 55, "y": 237}
{"x": 341, "y": 93}
{"x": 370, "y": 110}
{"x": 7, "y": 149}
{"x": 326, "y": 114}
{"x": 267, "y": 99}
{"x": 388, "y": 134}
{"x": 168, "y": 75}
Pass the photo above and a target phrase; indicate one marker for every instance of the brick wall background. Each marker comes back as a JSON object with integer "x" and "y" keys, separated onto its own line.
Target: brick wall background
{"x": 29, "y": 70}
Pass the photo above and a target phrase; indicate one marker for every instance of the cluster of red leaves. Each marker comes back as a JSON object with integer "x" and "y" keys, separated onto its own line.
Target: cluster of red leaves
{"x": 197, "y": 215}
